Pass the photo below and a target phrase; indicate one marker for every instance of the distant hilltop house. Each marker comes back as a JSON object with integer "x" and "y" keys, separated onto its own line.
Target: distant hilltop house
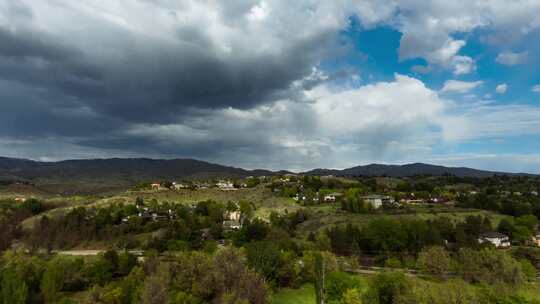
{"x": 535, "y": 193}
{"x": 332, "y": 197}
{"x": 499, "y": 240}
{"x": 377, "y": 201}
{"x": 225, "y": 185}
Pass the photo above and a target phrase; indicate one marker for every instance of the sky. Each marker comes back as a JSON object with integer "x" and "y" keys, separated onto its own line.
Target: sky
{"x": 273, "y": 84}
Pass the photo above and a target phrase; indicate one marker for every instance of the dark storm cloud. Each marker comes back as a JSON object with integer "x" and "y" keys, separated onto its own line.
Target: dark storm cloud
{"x": 96, "y": 88}
{"x": 155, "y": 82}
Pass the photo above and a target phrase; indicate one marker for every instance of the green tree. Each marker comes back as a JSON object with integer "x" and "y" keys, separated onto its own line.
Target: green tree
{"x": 434, "y": 260}
{"x": 338, "y": 283}
{"x": 319, "y": 278}
{"x": 389, "y": 288}
{"x": 352, "y": 296}
{"x": 14, "y": 289}
{"x": 53, "y": 280}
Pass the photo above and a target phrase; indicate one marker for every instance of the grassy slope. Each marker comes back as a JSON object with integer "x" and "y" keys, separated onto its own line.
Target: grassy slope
{"x": 302, "y": 295}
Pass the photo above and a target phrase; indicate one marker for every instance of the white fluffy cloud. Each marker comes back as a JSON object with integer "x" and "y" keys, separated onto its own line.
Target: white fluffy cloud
{"x": 501, "y": 88}
{"x": 536, "y": 88}
{"x": 509, "y": 58}
{"x": 460, "y": 86}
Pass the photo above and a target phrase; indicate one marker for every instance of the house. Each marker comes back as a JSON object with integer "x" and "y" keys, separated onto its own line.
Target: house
{"x": 535, "y": 193}
{"x": 412, "y": 201}
{"x": 332, "y": 197}
{"x": 203, "y": 186}
{"x": 438, "y": 200}
{"x": 233, "y": 215}
{"x": 232, "y": 220}
{"x": 179, "y": 186}
{"x": 377, "y": 201}
{"x": 499, "y": 240}
{"x": 225, "y": 185}
{"x": 155, "y": 186}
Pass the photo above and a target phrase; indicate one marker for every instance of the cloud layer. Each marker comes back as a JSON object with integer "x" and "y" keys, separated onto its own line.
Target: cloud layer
{"x": 238, "y": 82}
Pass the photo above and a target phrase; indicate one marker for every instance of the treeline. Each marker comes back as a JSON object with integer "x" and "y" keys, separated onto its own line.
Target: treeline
{"x": 113, "y": 278}
{"x": 11, "y": 214}
{"x": 513, "y": 205}
{"x": 387, "y": 237}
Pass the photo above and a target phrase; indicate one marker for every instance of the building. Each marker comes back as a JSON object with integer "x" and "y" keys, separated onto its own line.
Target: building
{"x": 225, "y": 185}
{"x": 155, "y": 186}
{"x": 377, "y": 201}
{"x": 179, "y": 186}
{"x": 499, "y": 240}
{"x": 233, "y": 215}
{"x": 332, "y": 197}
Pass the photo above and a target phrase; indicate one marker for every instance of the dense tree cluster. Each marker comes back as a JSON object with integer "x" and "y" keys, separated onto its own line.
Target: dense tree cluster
{"x": 401, "y": 237}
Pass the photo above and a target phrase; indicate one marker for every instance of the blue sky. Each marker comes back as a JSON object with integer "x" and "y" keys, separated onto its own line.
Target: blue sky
{"x": 272, "y": 83}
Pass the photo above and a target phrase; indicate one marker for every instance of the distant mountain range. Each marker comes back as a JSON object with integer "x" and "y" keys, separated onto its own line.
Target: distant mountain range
{"x": 408, "y": 170}
{"x": 122, "y": 172}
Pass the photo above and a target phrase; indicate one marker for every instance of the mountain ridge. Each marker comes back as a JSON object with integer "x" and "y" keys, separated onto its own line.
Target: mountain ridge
{"x": 407, "y": 170}
{"x": 124, "y": 172}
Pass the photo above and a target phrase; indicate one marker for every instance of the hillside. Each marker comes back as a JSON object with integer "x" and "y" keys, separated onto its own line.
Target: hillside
{"x": 100, "y": 174}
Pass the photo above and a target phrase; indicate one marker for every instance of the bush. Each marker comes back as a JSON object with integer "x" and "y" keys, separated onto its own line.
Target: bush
{"x": 338, "y": 283}
{"x": 388, "y": 288}
{"x": 434, "y": 260}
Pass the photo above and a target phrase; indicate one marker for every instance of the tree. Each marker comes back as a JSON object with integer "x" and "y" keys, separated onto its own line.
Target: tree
{"x": 265, "y": 257}
{"x": 319, "y": 278}
{"x": 100, "y": 271}
{"x": 434, "y": 260}
{"x": 352, "y": 296}
{"x": 233, "y": 282}
{"x": 154, "y": 291}
{"x": 489, "y": 266}
{"x": 338, "y": 283}
{"x": 389, "y": 288}
{"x": 14, "y": 289}
{"x": 53, "y": 280}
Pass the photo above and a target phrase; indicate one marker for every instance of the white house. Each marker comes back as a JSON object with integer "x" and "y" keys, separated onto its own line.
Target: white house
{"x": 377, "y": 201}
{"x": 332, "y": 197}
{"x": 225, "y": 185}
{"x": 498, "y": 239}
{"x": 179, "y": 186}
